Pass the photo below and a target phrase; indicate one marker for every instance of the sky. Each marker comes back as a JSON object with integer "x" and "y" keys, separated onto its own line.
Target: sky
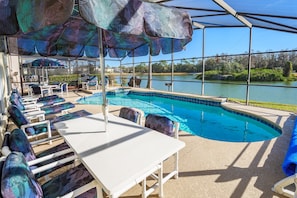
{"x": 227, "y": 41}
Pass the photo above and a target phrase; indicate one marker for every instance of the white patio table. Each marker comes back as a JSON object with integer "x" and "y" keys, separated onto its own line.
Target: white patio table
{"x": 122, "y": 156}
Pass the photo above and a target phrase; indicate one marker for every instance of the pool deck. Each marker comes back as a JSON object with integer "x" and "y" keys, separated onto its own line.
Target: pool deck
{"x": 209, "y": 168}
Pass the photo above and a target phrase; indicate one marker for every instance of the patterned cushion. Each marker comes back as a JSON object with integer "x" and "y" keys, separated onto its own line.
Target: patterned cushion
{"x": 52, "y": 101}
{"x": 57, "y": 108}
{"x": 19, "y": 119}
{"x": 69, "y": 116}
{"x": 45, "y": 98}
{"x": 16, "y": 100}
{"x": 17, "y": 179}
{"x": 160, "y": 123}
{"x": 19, "y": 142}
{"x": 129, "y": 114}
{"x": 67, "y": 182}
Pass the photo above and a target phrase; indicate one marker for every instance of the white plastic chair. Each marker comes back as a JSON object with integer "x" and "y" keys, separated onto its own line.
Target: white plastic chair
{"x": 169, "y": 127}
{"x": 132, "y": 114}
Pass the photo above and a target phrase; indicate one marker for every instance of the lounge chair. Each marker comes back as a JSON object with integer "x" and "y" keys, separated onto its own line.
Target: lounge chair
{"x": 33, "y": 130}
{"x": 289, "y": 167}
{"x": 63, "y": 88}
{"x": 38, "y": 128}
{"x": 32, "y": 104}
{"x": 132, "y": 114}
{"x": 24, "y": 106}
{"x": 17, "y": 141}
{"x": 168, "y": 127}
{"x": 92, "y": 82}
{"x": 69, "y": 184}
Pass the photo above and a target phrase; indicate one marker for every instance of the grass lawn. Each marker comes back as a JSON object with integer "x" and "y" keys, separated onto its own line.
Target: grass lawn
{"x": 270, "y": 105}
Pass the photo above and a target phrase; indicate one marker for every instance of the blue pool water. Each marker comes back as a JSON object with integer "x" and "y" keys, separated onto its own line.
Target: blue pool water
{"x": 206, "y": 121}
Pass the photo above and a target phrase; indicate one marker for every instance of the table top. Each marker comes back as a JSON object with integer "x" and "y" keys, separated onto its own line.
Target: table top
{"x": 119, "y": 157}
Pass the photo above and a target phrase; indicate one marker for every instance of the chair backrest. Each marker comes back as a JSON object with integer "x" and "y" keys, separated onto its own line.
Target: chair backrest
{"x": 162, "y": 124}
{"x": 134, "y": 115}
{"x": 64, "y": 87}
{"x": 17, "y": 179}
{"x": 16, "y": 100}
{"x": 36, "y": 89}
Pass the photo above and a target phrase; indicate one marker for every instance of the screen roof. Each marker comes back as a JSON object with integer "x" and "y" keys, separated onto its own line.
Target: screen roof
{"x": 277, "y": 15}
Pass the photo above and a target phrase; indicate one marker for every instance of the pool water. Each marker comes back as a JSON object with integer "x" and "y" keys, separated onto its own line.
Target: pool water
{"x": 206, "y": 121}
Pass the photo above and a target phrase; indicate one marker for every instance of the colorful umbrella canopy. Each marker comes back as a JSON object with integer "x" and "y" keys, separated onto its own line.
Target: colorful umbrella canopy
{"x": 69, "y": 28}
{"x": 42, "y": 62}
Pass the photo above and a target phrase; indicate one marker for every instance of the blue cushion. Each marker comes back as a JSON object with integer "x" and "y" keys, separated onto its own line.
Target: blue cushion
{"x": 17, "y": 179}
{"x": 57, "y": 108}
{"x": 160, "y": 123}
{"x": 19, "y": 142}
{"x": 290, "y": 162}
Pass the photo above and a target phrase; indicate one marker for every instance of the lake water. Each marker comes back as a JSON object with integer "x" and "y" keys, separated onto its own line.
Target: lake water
{"x": 188, "y": 84}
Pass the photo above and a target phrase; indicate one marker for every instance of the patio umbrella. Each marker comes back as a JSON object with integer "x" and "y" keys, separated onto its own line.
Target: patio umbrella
{"x": 42, "y": 62}
{"x": 76, "y": 28}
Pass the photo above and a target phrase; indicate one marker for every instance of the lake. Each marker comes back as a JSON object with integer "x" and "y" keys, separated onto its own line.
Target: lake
{"x": 259, "y": 91}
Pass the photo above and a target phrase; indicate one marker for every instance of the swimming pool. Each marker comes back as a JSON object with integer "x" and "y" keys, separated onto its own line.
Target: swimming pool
{"x": 208, "y": 120}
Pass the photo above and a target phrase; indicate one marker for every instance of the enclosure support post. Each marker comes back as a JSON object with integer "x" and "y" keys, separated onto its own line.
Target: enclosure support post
{"x": 249, "y": 70}
{"x": 172, "y": 65}
{"x": 203, "y": 62}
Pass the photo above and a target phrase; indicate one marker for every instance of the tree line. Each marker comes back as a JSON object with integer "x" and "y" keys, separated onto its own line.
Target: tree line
{"x": 223, "y": 62}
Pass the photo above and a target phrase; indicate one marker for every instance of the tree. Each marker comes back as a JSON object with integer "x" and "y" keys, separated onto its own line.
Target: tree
{"x": 287, "y": 69}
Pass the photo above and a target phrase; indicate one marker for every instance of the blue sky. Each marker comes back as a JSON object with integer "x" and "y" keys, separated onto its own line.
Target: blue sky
{"x": 228, "y": 41}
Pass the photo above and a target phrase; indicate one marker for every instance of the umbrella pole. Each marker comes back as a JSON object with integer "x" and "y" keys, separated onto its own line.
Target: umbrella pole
{"x": 102, "y": 65}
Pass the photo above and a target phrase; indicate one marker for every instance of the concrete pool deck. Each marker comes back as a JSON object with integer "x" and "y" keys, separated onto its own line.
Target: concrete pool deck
{"x": 209, "y": 168}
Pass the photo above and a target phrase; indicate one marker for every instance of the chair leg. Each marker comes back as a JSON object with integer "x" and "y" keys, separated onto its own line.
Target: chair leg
{"x": 160, "y": 180}
{"x": 144, "y": 194}
{"x": 176, "y": 165}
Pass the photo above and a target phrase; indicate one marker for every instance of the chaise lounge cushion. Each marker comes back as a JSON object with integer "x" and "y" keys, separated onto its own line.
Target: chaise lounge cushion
{"x": 57, "y": 108}
{"x": 64, "y": 183}
{"x": 290, "y": 162}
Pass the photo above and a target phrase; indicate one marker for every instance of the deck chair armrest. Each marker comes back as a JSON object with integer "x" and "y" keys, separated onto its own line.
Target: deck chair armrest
{"x": 31, "y": 110}
{"x": 27, "y": 99}
{"x": 29, "y": 102}
{"x": 34, "y": 115}
{"x": 50, "y": 156}
{"x": 53, "y": 164}
{"x": 84, "y": 188}
{"x": 280, "y": 186}
{"x": 47, "y": 122}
